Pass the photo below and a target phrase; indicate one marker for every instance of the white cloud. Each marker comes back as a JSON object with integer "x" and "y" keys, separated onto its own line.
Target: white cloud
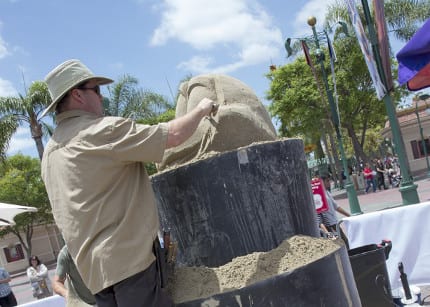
{"x": 316, "y": 8}
{"x": 21, "y": 141}
{"x": 3, "y": 48}
{"x": 241, "y": 27}
{"x": 7, "y": 89}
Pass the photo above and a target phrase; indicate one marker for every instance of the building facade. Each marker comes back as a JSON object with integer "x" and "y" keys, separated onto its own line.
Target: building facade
{"x": 413, "y": 121}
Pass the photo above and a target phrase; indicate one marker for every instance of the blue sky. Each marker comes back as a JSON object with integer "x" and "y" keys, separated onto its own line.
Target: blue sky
{"x": 159, "y": 42}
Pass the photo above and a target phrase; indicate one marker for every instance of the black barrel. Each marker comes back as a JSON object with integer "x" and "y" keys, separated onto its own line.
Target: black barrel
{"x": 369, "y": 266}
{"x": 327, "y": 281}
{"x": 237, "y": 202}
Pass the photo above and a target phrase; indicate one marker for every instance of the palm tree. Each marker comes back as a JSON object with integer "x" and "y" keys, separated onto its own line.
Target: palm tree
{"x": 15, "y": 111}
{"x": 403, "y": 17}
{"x": 127, "y": 100}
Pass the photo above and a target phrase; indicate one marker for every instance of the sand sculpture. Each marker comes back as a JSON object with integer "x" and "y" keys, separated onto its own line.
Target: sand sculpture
{"x": 241, "y": 119}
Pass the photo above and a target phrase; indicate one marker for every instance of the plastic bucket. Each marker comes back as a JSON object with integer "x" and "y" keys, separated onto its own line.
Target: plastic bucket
{"x": 369, "y": 266}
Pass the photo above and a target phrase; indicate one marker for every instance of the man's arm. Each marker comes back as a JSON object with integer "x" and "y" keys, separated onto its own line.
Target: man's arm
{"x": 182, "y": 128}
{"x": 342, "y": 211}
{"x": 58, "y": 286}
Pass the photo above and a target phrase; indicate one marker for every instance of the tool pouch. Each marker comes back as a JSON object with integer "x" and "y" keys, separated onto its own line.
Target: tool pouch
{"x": 161, "y": 262}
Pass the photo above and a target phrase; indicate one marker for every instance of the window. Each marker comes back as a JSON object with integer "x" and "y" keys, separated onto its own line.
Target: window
{"x": 418, "y": 149}
{"x": 13, "y": 253}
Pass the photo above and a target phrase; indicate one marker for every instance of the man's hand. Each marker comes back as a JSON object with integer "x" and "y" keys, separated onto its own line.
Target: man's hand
{"x": 207, "y": 106}
{"x": 180, "y": 129}
{"x": 58, "y": 286}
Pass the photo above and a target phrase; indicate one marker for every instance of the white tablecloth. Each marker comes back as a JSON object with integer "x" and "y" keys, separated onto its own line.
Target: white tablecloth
{"x": 408, "y": 227}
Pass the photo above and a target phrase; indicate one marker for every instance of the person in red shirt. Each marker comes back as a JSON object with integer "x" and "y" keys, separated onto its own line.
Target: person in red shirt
{"x": 368, "y": 176}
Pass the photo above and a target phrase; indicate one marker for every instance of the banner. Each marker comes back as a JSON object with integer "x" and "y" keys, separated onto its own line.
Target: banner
{"x": 365, "y": 48}
{"x": 384, "y": 51}
{"x": 309, "y": 61}
{"x": 333, "y": 59}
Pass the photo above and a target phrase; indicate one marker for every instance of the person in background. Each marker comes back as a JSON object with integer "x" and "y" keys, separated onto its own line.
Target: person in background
{"x": 37, "y": 273}
{"x": 368, "y": 176}
{"x": 100, "y": 193}
{"x": 329, "y": 218}
{"x": 7, "y": 297}
{"x": 380, "y": 169}
{"x": 77, "y": 294}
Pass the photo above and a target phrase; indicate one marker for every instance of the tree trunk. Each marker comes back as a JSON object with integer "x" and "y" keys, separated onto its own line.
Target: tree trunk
{"x": 36, "y": 134}
{"x": 358, "y": 149}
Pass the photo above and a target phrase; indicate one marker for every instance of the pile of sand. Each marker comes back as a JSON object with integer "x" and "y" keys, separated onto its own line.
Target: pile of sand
{"x": 191, "y": 283}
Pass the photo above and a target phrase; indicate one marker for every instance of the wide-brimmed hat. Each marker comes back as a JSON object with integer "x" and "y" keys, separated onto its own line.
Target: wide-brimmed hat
{"x": 66, "y": 76}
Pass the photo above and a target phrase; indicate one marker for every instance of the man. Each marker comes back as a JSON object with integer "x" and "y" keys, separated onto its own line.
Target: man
{"x": 328, "y": 219}
{"x": 7, "y": 298}
{"x": 100, "y": 193}
{"x": 379, "y": 166}
{"x": 77, "y": 294}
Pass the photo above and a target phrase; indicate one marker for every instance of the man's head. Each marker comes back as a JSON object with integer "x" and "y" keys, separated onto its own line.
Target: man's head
{"x": 326, "y": 179}
{"x": 72, "y": 78}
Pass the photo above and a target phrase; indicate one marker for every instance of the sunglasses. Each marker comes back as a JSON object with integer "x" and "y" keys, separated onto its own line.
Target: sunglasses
{"x": 96, "y": 89}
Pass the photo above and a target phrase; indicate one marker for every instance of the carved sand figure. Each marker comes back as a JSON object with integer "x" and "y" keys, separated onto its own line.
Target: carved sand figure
{"x": 241, "y": 118}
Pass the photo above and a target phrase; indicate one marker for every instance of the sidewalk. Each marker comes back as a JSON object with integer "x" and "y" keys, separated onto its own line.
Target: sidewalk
{"x": 382, "y": 199}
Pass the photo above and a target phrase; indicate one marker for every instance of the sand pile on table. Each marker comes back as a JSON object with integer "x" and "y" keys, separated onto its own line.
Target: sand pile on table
{"x": 191, "y": 283}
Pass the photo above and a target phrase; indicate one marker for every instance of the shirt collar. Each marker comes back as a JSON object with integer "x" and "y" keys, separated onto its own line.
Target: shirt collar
{"x": 74, "y": 113}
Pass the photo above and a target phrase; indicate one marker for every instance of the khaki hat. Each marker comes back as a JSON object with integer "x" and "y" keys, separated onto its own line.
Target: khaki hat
{"x": 66, "y": 76}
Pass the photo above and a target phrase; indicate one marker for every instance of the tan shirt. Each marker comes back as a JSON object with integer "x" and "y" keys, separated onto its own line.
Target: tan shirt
{"x": 100, "y": 193}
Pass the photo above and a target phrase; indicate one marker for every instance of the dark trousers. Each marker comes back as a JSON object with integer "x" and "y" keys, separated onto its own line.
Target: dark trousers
{"x": 381, "y": 181}
{"x": 142, "y": 289}
{"x": 8, "y": 300}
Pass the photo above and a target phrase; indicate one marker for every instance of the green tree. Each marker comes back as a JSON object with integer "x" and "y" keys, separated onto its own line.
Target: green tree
{"x": 21, "y": 184}
{"x": 15, "y": 111}
{"x": 295, "y": 98}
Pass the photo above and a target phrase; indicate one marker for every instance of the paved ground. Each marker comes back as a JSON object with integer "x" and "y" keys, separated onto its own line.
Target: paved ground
{"x": 368, "y": 203}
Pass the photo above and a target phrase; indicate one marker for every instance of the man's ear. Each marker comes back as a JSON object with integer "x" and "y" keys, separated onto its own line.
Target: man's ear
{"x": 76, "y": 95}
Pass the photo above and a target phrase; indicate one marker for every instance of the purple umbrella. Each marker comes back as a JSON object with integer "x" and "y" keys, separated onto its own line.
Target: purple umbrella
{"x": 414, "y": 60}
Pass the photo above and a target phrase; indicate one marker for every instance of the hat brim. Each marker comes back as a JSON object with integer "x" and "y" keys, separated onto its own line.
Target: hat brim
{"x": 53, "y": 104}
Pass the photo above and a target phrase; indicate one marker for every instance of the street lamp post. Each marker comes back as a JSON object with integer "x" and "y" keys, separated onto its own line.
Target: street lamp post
{"x": 352, "y": 194}
{"x": 423, "y": 143}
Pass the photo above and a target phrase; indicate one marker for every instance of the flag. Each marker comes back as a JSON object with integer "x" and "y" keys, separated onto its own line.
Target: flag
{"x": 331, "y": 50}
{"x": 309, "y": 61}
{"x": 307, "y": 54}
{"x": 333, "y": 59}
{"x": 366, "y": 49}
{"x": 414, "y": 60}
{"x": 384, "y": 52}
